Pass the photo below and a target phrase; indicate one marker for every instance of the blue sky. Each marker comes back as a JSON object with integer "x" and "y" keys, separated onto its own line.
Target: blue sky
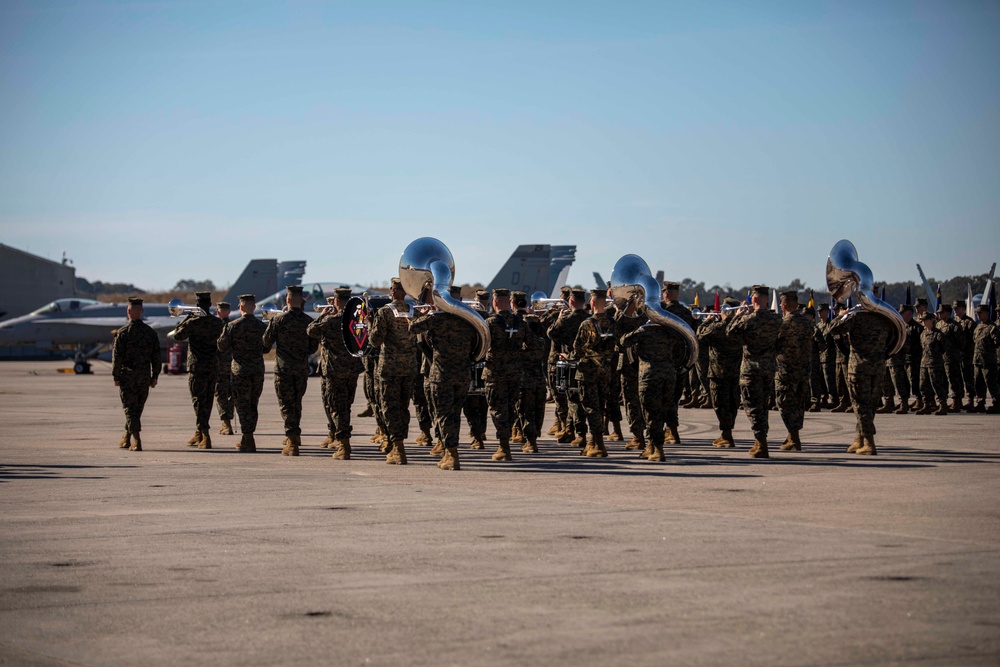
{"x": 725, "y": 142}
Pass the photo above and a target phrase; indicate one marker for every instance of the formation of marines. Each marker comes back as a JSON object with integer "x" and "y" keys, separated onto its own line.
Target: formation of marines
{"x": 591, "y": 358}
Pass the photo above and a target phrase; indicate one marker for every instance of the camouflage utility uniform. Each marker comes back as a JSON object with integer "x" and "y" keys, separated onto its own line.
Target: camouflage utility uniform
{"x": 287, "y": 332}
{"x": 135, "y": 365}
{"x": 202, "y": 333}
{"x": 242, "y": 341}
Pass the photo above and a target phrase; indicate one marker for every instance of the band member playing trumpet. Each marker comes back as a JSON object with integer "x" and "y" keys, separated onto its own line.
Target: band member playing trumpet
{"x": 202, "y": 331}
{"x": 242, "y": 341}
{"x": 502, "y": 374}
{"x": 339, "y": 370}
{"x": 758, "y": 332}
{"x": 135, "y": 367}
{"x": 397, "y": 367}
{"x": 562, "y": 333}
{"x": 287, "y": 333}
{"x": 724, "y": 355}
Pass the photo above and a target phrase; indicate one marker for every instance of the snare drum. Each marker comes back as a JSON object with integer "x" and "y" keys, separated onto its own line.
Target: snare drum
{"x": 477, "y": 385}
{"x": 566, "y": 376}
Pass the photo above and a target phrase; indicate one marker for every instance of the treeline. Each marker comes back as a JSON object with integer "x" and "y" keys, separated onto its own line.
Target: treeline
{"x": 98, "y": 289}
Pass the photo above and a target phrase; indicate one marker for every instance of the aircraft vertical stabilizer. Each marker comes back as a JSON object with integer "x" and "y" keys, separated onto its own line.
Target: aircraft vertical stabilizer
{"x": 526, "y": 270}
{"x": 562, "y": 258}
{"x": 291, "y": 272}
{"x": 259, "y": 278}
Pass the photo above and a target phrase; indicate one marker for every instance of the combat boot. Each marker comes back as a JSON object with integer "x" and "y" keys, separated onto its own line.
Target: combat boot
{"x": 903, "y": 408}
{"x": 942, "y": 410}
{"x": 579, "y": 440}
{"x": 556, "y": 428}
{"x": 759, "y": 450}
{"x": 868, "y": 447}
{"x": 328, "y": 441}
{"x": 597, "y": 449}
{"x": 956, "y": 405}
{"x": 424, "y": 438}
{"x": 856, "y": 445}
{"x": 378, "y": 434}
{"x": 841, "y": 407}
{"x": 195, "y": 439}
{"x": 656, "y": 453}
{"x": 792, "y": 443}
{"x": 565, "y": 437}
{"x": 226, "y": 428}
{"x": 981, "y": 406}
{"x": 725, "y": 440}
{"x": 450, "y": 459}
{"x": 924, "y": 409}
{"x": 385, "y": 446}
{"x": 291, "y": 447}
{"x": 248, "y": 443}
{"x": 993, "y": 409}
{"x": 503, "y": 452}
{"x": 396, "y": 455}
{"x": 476, "y": 443}
{"x": 530, "y": 447}
{"x": 616, "y": 432}
{"x": 437, "y": 449}
{"x": 970, "y": 406}
{"x": 367, "y": 412}
{"x": 815, "y": 407}
{"x": 124, "y": 443}
{"x": 206, "y": 441}
{"x": 343, "y": 452}
{"x": 918, "y": 404}
{"x": 516, "y": 437}
{"x": 635, "y": 443}
{"x": 137, "y": 445}
{"x": 648, "y": 450}
{"x": 589, "y": 447}
{"x": 888, "y": 407}
{"x": 673, "y": 438}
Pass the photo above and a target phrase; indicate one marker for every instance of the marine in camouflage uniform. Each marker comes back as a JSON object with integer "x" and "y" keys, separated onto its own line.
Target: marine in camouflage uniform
{"x": 986, "y": 343}
{"x": 202, "y": 333}
{"x": 287, "y": 333}
{"x": 453, "y": 341}
{"x": 135, "y": 367}
{"x": 502, "y": 374}
{"x": 627, "y": 320}
{"x": 475, "y": 406}
{"x": 933, "y": 380}
{"x": 532, "y": 362}
{"x": 899, "y": 363}
{"x": 842, "y": 347}
{"x": 593, "y": 350}
{"x": 758, "y": 333}
{"x": 658, "y": 349}
{"x": 827, "y": 356}
{"x": 562, "y": 428}
{"x": 724, "y": 355}
{"x": 817, "y": 390}
{"x": 869, "y": 335}
{"x": 967, "y": 326}
{"x": 562, "y": 333}
{"x": 672, "y": 304}
{"x": 339, "y": 370}
{"x": 397, "y": 368}
{"x": 953, "y": 340}
{"x": 793, "y": 351}
{"x": 224, "y": 383}
{"x": 242, "y": 341}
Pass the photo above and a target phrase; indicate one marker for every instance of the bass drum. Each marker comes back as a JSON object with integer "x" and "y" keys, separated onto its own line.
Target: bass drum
{"x": 355, "y": 324}
{"x": 477, "y": 384}
{"x": 566, "y": 376}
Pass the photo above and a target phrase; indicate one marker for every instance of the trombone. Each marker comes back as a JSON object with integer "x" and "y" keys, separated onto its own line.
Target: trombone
{"x": 176, "y": 308}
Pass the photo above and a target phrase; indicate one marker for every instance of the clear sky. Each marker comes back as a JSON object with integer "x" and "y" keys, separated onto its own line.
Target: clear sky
{"x": 729, "y": 142}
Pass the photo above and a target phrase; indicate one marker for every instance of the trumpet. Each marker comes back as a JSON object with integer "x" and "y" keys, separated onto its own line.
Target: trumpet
{"x": 269, "y": 311}
{"x": 709, "y": 314}
{"x": 322, "y": 307}
{"x": 176, "y": 308}
{"x": 540, "y": 303}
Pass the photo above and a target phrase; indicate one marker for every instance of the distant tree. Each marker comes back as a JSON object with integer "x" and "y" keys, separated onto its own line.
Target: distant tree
{"x": 189, "y": 285}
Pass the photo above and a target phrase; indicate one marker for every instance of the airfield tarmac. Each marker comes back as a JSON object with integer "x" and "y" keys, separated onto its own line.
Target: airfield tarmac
{"x": 182, "y": 556}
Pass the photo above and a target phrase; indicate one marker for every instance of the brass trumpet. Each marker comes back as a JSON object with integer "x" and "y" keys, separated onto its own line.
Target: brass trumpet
{"x": 321, "y": 307}
{"x": 269, "y": 311}
{"x": 709, "y": 314}
{"x": 176, "y": 308}
{"x": 540, "y": 303}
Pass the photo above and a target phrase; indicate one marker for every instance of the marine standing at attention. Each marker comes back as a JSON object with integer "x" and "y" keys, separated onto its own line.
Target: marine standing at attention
{"x": 135, "y": 367}
{"x": 224, "y": 383}
{"x": 502, "y": 373}
{"x": 793, "y": 352}
{"x": 202, "y": 333}
{"x": 242, "y": 341}
{"x": 758, "y": 332}
{"x": 287, "y": 332}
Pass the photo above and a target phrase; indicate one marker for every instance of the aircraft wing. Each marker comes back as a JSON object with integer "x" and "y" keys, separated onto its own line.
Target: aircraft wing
{"x": 95, "y": 322}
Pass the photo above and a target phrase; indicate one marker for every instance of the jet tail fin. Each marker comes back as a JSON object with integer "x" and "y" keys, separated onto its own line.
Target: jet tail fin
{"x": 260, "y": 278}
{"x": 534, "y": 267}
